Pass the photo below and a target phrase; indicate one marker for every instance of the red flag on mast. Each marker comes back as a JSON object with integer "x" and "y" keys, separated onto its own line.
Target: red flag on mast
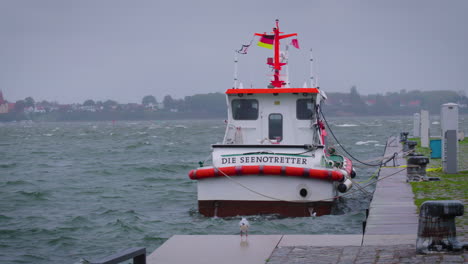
{"x": 295, "y": 43}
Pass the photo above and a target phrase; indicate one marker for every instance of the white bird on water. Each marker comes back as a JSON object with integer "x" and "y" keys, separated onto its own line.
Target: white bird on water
{"x": 244, "y": 226}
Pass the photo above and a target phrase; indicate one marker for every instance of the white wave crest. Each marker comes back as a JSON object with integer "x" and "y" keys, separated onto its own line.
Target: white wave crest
{"x": 366, "y": 142}
{"x": 347, "y": 125}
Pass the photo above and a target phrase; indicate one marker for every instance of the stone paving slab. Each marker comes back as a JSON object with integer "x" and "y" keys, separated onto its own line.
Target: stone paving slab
{"x": 227, "y": 249}
{"x": 320, "y": 240}
{"x": 405, "y": 253}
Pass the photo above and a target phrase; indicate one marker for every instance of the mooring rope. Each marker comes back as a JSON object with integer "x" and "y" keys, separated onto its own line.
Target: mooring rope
{"x": 403, "y": 154}
{"x": 344, "y": 149}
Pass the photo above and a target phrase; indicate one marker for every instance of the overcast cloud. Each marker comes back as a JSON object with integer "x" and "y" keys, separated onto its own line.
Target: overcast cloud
{"x": 70, "y": 51}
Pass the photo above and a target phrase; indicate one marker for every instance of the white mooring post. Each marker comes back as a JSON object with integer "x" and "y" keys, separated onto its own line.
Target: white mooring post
{"x": 449, "y": 117}
{"x": 449, "y": 122}
{"x": 424, "y": 128}
{"x": 416, "y": 125}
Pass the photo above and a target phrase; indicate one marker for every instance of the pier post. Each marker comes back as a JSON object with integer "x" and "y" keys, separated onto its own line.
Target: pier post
{"x": 424, "y": 128}
{"x": 416, "y": 125}
{"x": 403, "y": 136}
{"x": 416, "y": 168}
{"x": 450, "y": 150}
{"x": 436, "y": 229}
{"x": 449, "y": 121}
{"x": 409, "y": 145}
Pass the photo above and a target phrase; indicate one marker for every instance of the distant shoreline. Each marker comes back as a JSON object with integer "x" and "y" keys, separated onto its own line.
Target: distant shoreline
{"x": 104, "y": 116}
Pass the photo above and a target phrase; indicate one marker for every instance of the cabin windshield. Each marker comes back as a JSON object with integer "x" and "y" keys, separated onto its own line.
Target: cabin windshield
{"x": 305, "y": 109}
{"x": 245, "y": 109}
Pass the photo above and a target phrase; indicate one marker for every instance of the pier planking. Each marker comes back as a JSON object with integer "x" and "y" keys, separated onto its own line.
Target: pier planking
{"x": 392, "y": 216}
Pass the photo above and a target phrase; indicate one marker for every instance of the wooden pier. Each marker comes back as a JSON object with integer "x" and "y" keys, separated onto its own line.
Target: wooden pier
{"x": 392, "y": 216}
{"x": 391, "y": 224}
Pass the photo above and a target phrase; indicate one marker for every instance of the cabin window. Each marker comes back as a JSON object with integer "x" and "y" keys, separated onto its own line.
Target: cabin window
{"x": 244, "y": 109}
{"x": 275, "y": 127}
{"x": 305, "y": 109}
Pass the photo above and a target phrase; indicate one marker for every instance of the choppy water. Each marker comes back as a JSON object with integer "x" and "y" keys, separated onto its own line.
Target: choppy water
{"x": 83, "y": 190}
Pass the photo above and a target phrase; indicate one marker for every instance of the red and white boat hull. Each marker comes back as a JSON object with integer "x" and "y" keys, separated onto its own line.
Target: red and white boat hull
{"x": 265, "y": 194}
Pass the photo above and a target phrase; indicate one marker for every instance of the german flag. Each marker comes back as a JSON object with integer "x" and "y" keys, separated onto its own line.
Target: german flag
{"x": 266, "y": 41}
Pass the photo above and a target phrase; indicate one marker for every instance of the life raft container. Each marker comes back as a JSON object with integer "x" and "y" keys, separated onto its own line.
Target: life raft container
{"x": 213, "y": 172}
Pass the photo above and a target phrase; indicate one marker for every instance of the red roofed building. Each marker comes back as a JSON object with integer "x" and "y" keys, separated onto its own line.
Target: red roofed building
{"x": 4, "y": 107}
{"x": 414, "y": 103}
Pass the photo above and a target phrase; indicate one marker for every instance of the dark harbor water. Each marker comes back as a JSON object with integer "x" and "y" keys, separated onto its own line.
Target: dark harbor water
{"x": 83, "y": 190}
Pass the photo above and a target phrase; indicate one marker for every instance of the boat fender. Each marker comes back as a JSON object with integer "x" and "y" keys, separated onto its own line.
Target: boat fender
{"x": 345, "y": 186}
{"x": 345, "y": 174}
{"x": 353, "y": 173}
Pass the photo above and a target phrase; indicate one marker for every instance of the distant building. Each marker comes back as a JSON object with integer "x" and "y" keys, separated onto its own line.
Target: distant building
{"x": 414, "y": 103}
{"x": 39, "y": 109}
{"x": 87, "y": 108}
{"x": 4, "y": 107}
{"x": 370, "y": 102}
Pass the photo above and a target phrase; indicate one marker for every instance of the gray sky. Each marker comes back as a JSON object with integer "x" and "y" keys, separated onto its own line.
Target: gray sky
{"x": 70, "y": 51}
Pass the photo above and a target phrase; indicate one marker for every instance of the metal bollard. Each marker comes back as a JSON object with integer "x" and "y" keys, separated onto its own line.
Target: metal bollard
{"x": 403, "y": 136}
{"x": 416, "y": 168}
{"x": 436, "y": 229}
{"x": 409, "y": 145}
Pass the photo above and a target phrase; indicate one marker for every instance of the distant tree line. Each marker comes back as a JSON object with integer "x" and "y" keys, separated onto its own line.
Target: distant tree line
{"x": 213, "y": 105}
{"x": 393, "y": 103}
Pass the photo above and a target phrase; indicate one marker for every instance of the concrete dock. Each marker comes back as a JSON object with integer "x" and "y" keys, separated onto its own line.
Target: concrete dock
{"x": 389, "y": 236}
{"x": 201, "y": 249}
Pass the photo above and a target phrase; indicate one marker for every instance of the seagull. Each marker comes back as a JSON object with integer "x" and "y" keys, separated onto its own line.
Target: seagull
{"x": 244, "y": 226}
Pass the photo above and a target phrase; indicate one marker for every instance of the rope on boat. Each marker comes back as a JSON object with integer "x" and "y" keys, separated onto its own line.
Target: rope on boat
{"x": 249, "y": 189}
{"x": 308, "y": 201}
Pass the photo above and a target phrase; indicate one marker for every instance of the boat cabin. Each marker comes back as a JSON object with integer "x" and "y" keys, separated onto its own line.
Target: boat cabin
{"x": 272, "y": 116}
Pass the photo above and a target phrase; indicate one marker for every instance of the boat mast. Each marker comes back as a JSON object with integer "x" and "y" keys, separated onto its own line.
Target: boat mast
{"x": 277, "y": 82}
{"x": 235, "y": 72}
{"x": 286, "y": 60}
{"x": 312, "y": 81}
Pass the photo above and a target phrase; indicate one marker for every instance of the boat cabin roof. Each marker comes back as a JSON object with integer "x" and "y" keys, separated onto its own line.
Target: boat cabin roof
{"x": 272, "y": 90}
